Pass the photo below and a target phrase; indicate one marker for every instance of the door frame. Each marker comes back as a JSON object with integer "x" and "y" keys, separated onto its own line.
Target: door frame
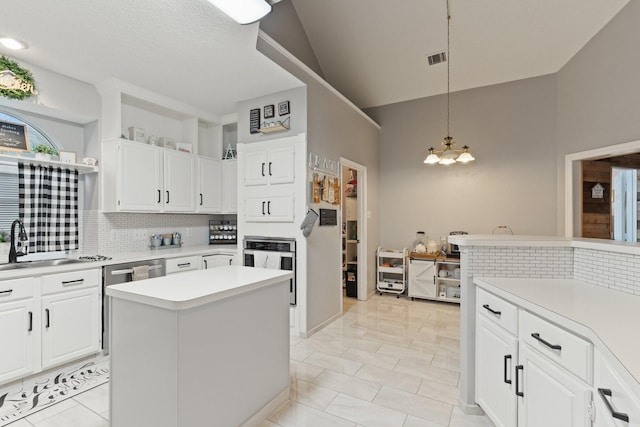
{"x": 362, "y": 227}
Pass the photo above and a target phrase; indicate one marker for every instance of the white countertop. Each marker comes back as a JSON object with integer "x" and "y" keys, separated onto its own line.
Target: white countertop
{"x": 609, "y": 319}
{"x": 120, "y": 258}
{"x": 467, "y": 240}
{"x": 193, "y": 288}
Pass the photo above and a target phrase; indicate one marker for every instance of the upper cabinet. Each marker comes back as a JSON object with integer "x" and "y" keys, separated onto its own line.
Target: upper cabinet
{"x": 159, "y": 154}
{"x": 269, "y": 165}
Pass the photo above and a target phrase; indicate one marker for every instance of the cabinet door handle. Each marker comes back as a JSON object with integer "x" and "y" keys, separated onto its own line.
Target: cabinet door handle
{"x": 167, "y": 196}
{"x": 506, "y": 370}
{"x": 604, "y": 392}
{"x": 519, "y": 368}
{"x": 263, "y": 208}
{"x": 230, "y": 259}
{"x": 200, "y": 199}
{"x": 496, "y": 312}
{"x": 536, "y": 336}
{"x": 269, "y": 207}
{"x": 159, "y": 194}
{"x": 206, "y": 265}
{"x": 263, "y": 169}
{"x": 46, "y": 311}
{"x": 30, "y": 322}
{"x": 270, "y": 174}
{"x": 72, "y": 282}
{"x": 7, "y": 292}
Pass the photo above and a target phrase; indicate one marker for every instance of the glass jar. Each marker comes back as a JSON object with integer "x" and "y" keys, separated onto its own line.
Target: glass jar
{"x": 419, "y": 243}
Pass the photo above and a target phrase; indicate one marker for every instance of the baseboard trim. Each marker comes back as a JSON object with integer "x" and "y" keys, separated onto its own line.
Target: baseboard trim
{"x": 323, "y": 325}
{"x": 473, "y": 409}
{"x": 276, "y": 403}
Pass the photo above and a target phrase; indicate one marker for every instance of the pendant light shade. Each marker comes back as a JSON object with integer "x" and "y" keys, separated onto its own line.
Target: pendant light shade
{"x": 448, "y": 155}
{"x": 243, "y": 11}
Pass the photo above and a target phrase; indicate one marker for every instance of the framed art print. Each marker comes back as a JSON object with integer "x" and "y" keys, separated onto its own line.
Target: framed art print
{"x": 269, "y": 111}
{"x": 283, "y": 108}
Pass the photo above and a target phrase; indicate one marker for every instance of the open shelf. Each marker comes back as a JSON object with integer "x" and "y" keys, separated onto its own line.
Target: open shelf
{"x": 82, "y": 169}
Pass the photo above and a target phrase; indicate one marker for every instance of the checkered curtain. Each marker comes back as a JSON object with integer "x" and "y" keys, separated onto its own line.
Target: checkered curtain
{"x": 48, "y": 207}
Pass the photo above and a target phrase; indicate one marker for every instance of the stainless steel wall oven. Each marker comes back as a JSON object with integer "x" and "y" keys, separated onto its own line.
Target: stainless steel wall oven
{"x": 278, "y": 253}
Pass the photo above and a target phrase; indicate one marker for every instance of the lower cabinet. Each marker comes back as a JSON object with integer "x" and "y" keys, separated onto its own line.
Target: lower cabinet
{"x": 529, "y": 372}
{"x": 548, "y": 395}
{"x": 616, "y": 405}
{"x": 182, "y": 264}
{"x": 217, "y": 260}
{"x": 48, "y": 321}
{"x": 17, "y": 333}
{"x": 496, "y": 357}
{"x": 70, "y": 325}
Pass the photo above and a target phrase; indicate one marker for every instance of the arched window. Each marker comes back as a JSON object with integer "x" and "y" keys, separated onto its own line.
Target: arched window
{"x": 9, "y": 172}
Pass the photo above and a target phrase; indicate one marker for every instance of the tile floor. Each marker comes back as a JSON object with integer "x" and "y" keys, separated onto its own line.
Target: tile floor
{"x": 387, "y": 362}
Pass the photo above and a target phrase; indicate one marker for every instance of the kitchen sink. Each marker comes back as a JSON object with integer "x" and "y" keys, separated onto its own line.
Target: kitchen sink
{"x": 44, "y": 263}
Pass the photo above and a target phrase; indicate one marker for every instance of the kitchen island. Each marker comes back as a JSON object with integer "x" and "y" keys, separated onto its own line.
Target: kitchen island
{"x": 208, "y": 347}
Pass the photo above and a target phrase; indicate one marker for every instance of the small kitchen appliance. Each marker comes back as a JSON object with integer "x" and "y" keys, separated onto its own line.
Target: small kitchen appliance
{"x": 454, "y": 251}
{"x": 277, "y": 253}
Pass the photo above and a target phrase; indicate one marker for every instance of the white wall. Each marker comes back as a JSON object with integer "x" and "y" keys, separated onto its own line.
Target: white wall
{"x": 511, "y": 131}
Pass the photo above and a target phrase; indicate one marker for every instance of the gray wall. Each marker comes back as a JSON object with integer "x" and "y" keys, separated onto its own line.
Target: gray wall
{"x": 283, "y": 25}
{"x": 334, "y": 129}
{"x": 511, "y": 129}
{"x": 599, "y": 93}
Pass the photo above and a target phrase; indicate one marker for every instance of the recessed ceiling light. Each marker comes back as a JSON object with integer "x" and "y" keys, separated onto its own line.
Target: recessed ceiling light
{"x": 12, "y": 44}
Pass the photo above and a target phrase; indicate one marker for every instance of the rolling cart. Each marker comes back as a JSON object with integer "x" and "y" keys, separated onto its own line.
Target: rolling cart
{"x": 392, "y": 271}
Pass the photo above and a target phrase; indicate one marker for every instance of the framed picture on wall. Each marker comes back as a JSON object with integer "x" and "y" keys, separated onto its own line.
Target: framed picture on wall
{"x": 13, "y": 137}
{"x": 269, "y": 111}
{"x": 283, "y": 108}
{"x": 254, "y": 120}
{"x": 68, "y": 157}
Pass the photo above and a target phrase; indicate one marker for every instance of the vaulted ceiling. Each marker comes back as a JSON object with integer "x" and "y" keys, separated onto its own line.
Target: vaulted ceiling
{"x": 373, "y": 51}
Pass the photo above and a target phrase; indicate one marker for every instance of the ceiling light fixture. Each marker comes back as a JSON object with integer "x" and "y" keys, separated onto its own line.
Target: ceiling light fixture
{"x": 243, "y": 11}
{"x": 12, "y": 44}
{"x": 448, "y": 155}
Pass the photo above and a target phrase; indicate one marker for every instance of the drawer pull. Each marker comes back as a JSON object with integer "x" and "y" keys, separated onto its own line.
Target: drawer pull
{"x": 506, "y": 370}
{"x": 48, "y": 322}
{"x": 496, "y": 312}
{"x": 536, "y": 336}
{"x": 30, "y": 322}
{"x": 72, "y": 282}
{"x": 604, "y": 392}
{"x": 519, "y": 368}
{"x": 7, "y": 292}
{"x": 184, "y": 265}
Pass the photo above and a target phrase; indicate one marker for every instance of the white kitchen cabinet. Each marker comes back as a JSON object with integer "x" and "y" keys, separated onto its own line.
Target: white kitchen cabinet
{"x": 145, "y": 178}
{"x": 18, "y": 329}
{"x": 209, "y": 197}
{"x": 269, "y": 165}
{"x": 422, "y": 282}
{"x": 615, "y": 402}
{"x": 549, "y": 395}
{"x": 138, "y": 174}
{"x": 496, "y": 356}
{"x": 434, "y": 278}
{"x": 270, "y": 208}
{"x": 218, "y": 260}
{"x": 179, "y": 181}
{"x": 182, "y": 264}
{"x": 229, "y": 186}
{"x": 70, "y": 316}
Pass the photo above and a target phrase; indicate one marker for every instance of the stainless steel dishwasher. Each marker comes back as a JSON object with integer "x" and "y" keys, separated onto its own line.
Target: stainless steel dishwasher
{"x": 123, "y": 273}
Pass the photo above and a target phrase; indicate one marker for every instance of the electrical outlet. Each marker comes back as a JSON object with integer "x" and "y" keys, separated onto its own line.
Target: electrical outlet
{"x": 140, "y": 234}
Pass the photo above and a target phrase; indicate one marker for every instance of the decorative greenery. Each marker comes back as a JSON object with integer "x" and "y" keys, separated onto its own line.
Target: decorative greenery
{"x": 4, "y": 236}
{"x": 41, "y": 148}
{"x": 29, "y": 85}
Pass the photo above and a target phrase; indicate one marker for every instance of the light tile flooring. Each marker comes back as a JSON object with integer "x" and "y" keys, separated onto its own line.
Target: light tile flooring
{"x": 387, "y": 362}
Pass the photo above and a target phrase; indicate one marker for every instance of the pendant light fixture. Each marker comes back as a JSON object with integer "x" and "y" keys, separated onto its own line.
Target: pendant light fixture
{"x": 243, "y": 11}
{"x": 448, "y": 155}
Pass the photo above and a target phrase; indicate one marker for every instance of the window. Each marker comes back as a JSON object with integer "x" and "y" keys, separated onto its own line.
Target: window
{"x": 9, "y": 173}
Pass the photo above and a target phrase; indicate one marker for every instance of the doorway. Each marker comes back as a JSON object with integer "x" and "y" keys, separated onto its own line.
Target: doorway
{"x": 353, "y": 241}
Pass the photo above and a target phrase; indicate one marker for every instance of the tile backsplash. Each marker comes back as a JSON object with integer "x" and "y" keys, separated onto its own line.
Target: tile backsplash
{"x": 111, "y": 233}
{"x": 612, "y": 270}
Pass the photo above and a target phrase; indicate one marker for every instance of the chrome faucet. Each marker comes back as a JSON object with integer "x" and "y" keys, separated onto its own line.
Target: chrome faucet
{"x": 23, "y": 248}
